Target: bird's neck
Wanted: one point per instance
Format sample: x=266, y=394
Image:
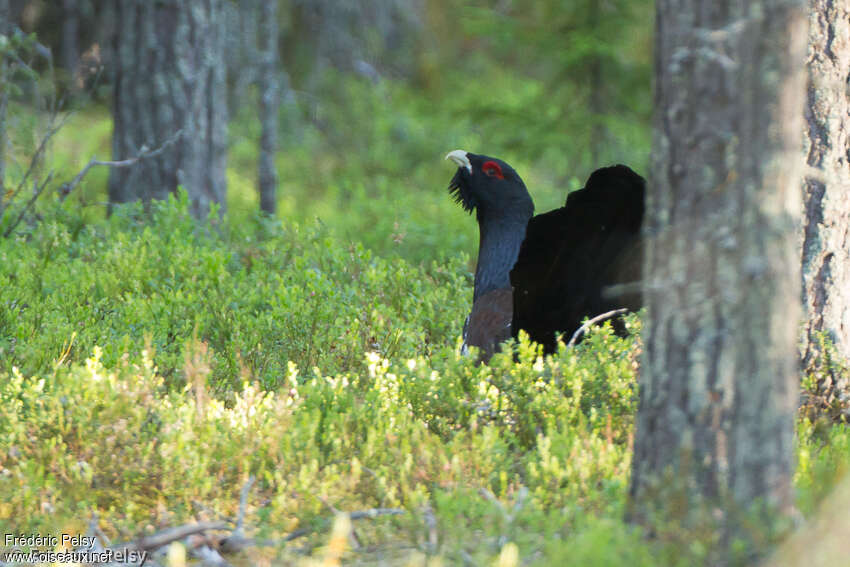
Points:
x=498, y=248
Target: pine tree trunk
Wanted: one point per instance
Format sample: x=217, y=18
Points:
x=169, y=78
x=826, y=195
x=719, y=376
x=269, y=97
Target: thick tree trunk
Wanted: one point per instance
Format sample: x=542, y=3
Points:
x=719, y=375
x=826, y=236
x=169, y=78
x=269, y=98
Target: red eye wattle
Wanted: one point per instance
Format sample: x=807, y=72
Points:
x=492, y=169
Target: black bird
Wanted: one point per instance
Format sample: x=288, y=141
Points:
x=548, y=273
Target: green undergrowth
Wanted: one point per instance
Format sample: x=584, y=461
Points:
x=259, y=296
x=151, y=366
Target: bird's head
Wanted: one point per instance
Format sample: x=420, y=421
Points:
x=489, y=186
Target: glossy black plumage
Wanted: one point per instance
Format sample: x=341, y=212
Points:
x=581, y=260
x=560, y=267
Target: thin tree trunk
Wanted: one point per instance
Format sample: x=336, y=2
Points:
x=242, y=50
x=5, y=29
x=269, y=97
x=169, y=78
x=70, y=40
x=715, y=424
x=826, y=195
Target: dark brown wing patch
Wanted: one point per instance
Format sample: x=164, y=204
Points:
x=490, y=322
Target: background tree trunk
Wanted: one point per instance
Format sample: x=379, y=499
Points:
x=169, y=77
x=5, y=29
x=269, y=100
x=241, y=51
x=70, y=41
x=719, y=375
x=826, y=235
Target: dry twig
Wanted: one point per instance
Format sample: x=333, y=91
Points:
x=431, y=524
x=375, y=512
x=145, y=153
x=170, y=535
x=591, y=322
x=36, y=193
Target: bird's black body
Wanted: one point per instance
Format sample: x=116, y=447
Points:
x=572, y=256
x=557, y=268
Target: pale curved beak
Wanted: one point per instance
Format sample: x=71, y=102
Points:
x=460, y=159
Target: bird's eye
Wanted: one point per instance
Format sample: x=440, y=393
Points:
x=492, y=169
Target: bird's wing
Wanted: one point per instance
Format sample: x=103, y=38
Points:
x=571, y=255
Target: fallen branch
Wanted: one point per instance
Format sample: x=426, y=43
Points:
x=237, y=541
x=431, y=524
x=243, y=502
x=210, y=551
x=210, y=556
x=375, y=512
x=170, y=535
x=235, y=544
x=591, y=322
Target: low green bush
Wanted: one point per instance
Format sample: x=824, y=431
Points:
x=153, y=364
x=259, y=296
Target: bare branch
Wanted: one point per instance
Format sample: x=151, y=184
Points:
x=233, y=544
x=491, y=498
x=210, y=556
x=36, y=157
x=145, y=153
x=591, y=322
x=37, y=191
x=431, y=524
x=300, y=532
x=236, y=543
x=375, y=512
x=170, y=535
x=243, y=501
x=94, y=530
x=237, y=540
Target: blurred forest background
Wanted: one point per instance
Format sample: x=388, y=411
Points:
x=367, y=97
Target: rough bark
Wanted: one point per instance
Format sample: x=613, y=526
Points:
x=826, y=196
x=718, y=386
x=168, y=78
x=269, y=96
